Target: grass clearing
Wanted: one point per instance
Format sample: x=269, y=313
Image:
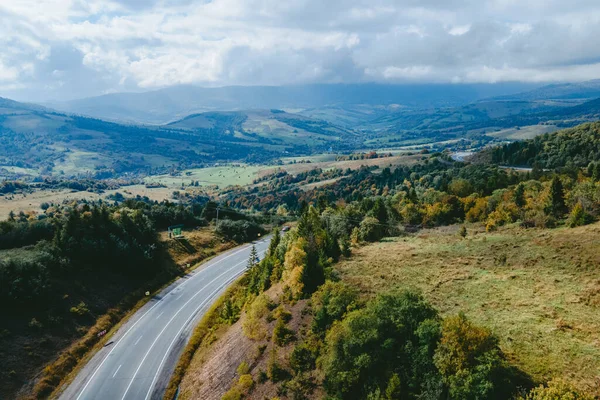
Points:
x=225, y=175
x=539, y=291
x=524, y=132
x=33, y=201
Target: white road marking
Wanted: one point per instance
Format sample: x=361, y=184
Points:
x=169, y=322
x=137, y=341
x=113, y=349
x=209, y=298
x=115, y=374
x=180, y=296
x=159, y=315
x=206, y=268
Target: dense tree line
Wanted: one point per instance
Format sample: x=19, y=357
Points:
x=81, y=244
x=394, y=346
x=577, y=147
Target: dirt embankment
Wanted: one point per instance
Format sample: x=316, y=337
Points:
x=215, y=368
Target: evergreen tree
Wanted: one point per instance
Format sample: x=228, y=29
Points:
x=596, y=174
x=274, y=242
x=253, y=258
x=519, y=196
x=556, y=206
x=379, y=211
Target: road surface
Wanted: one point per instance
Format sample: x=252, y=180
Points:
x=140, y=361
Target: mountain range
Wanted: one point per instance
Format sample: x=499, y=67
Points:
x=308, y=119
x=172, y=103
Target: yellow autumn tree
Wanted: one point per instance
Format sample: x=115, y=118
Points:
x=295, y=260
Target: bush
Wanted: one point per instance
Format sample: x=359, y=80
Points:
x=243, y=368
x=246, y=383
x=579, y=217
x=275, y=371
x=238, y=231
x=35, y=324
x=330, y=303
x=557, y=389
x=470, y=361
x=80, y=310
x=304, y=356
x=282, y=335
x=233, y=394
x=364, y=349
x=370, y=230
x=253, y=326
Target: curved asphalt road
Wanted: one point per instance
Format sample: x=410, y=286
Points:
x=140, y=361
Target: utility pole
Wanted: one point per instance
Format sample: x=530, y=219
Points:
x=216, y=223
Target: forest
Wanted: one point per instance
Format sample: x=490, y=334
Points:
x=85, y=258
x=576, y=147
x=80, y=266
x=392, y=346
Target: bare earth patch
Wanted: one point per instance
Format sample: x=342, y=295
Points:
x=213, y=370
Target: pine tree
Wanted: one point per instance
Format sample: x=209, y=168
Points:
x=557, y=206
x=596, y=174
x=519, y=195
x=253, y=258
x=274, y=242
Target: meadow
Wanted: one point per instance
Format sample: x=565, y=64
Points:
x=538, y=290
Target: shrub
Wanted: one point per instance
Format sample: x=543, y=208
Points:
x=253, y=325
x=370, y=230
x=304, y=356
x=330, y=303
x=283, y=314
x=80, y=310
x=35, y=324
x=275, y=371
x=282, y=335
x=578, y=217
x=232, y=394
x=246, y=383
x=243, y=368
x=470, y=361
x=557, y=389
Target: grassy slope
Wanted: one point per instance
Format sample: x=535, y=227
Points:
x=539, y=291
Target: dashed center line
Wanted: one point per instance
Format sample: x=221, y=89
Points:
x=137, y=341
x=115, y=374
x=159, y=315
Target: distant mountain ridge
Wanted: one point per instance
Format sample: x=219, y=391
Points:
x=173, y=103
x=560, y=91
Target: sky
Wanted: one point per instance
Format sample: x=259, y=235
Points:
x=65, y=49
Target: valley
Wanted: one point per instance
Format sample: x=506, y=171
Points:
x=475, y=221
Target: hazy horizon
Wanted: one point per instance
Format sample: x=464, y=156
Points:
x=66, y=49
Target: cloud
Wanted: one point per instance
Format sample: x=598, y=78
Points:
x=56, y=49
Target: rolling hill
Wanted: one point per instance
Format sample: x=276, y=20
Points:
x=173, y=103
x=565, y=91
x=42, y=141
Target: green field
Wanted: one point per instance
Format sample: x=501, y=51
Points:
x=225, y=175
x=538, y=290
x=523, y=133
